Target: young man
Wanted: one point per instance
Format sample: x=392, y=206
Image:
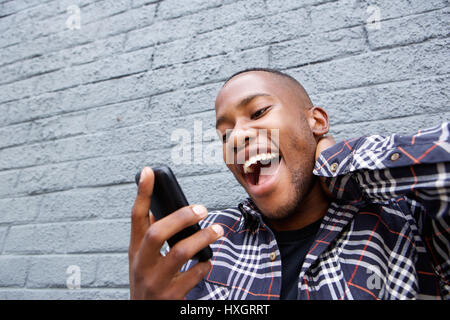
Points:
x=362, y=219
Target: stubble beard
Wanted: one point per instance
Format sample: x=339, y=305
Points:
x=303, y=184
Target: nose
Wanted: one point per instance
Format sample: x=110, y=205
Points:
x=241, y=137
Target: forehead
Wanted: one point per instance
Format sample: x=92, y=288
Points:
x=248, y=84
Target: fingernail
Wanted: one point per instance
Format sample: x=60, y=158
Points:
x=143, y=174
x=200, y=211
x=217, y=229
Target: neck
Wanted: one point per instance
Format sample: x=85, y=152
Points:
x=312, y=208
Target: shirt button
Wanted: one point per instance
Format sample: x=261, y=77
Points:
x=395, y=156
x=334, y=167
x=273, y=256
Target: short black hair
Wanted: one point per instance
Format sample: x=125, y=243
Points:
x=273, y=71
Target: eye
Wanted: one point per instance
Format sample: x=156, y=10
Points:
x=259, y=113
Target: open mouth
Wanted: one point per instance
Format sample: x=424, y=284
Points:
x=260, y=172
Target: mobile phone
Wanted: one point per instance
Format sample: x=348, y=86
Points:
x=168, y=197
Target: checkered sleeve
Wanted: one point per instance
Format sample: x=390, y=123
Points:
x=380, y=168
x=415, y=169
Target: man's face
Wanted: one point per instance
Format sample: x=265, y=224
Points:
x=262, y=115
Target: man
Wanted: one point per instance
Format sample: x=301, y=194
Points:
x=375, y=225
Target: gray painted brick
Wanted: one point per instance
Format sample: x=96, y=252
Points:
x=89, y=32
x=410, y=29
x=112, y=271
x=337, y=15
x=71, y=205
x=72, y=148
x=79, y=98
x=51, y=271
x=3, y=232
x=8, y=181
x=140, y=3
x=98, y=236
x=14, y=270
x=206, y=190
x=97, y=10
x=4, y=109
x=46, y=178
x=183, y=102
x=163, y=31
x=11, y=7
x=117, y=115
x=36, y=239
x=34, y=107
x=384, y=101
x=205, y=71
x=57, y=127
x=107, y=170
x=65, y=294
x=390, y=126
x=125, y=64
x=83, y=110
x=19, y=210
x=394, y=9
x=175, y=8
x=275, y=6
x=318, y=47
x=119, y=200
x=375, y=67
x=63, y=58
x=239, y=36
x=14, y=135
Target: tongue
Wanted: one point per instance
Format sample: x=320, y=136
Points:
x=269, y=168
x=266, y=171
x=263, y=178
x=262, y=172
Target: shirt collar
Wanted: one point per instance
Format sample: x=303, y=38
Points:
x=251, y=214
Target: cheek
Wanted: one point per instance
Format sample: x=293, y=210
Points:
x=227, y=155
x=229, y=160
x=298, y=148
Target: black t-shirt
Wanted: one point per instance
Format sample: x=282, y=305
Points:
x=293, y=246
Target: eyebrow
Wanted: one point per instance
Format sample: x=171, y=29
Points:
x=241, y=104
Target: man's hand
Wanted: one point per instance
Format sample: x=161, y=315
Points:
x=324, y=143
x=152, y=275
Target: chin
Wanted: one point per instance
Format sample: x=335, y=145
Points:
x=276, y=185
x=277, y=207
x=286, y=200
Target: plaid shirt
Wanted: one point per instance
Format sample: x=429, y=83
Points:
x=385, y=236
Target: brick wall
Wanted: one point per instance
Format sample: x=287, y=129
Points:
x=83, y=109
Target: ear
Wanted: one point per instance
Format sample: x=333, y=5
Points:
x=318, y=121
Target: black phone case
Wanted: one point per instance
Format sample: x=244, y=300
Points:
x=168, y=197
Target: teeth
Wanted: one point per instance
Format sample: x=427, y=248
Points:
x=264, y=158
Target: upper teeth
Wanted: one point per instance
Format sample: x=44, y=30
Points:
x=265, y=158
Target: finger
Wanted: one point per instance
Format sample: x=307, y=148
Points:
x=152, y=218
x=189, y=279
x=324, y=143
x=166, y=227
x=140, y=220
x=188, y=247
